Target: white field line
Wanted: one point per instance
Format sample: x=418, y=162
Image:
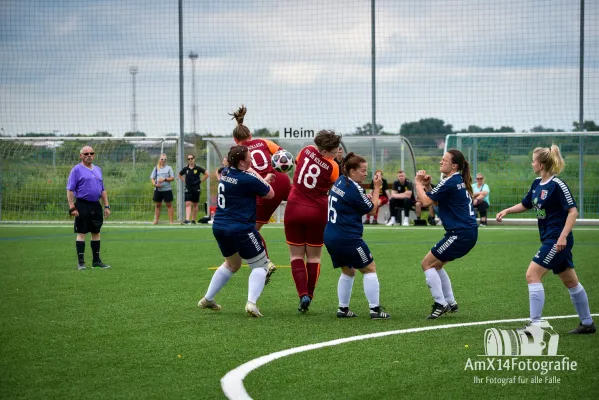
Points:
x=232, y=382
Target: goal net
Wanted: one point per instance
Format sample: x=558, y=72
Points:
x=504, y=160
x=34, y=173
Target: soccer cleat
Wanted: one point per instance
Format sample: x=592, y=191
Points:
x=252, y=310
x=438, y=310
x=304, y=304
x=584, y=329
x=453, y=307
x=375, y=222
x=345, y=312
x=391, y=221
x=211, y=304
x=100, y=264
x=193, y=222
x=431, y=221
x=367, y=222
x=406, y=221
x=186, y=222
x=379, y=313
x=81, y=267
x=269, y=271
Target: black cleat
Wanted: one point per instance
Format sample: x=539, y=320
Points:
x=193, y=222
x=438, y=310
x=584, y=329
x=367, y=222
x=304, y=304
x=379, y=313
x=453, y=307
x=100, y=264
x=431, y=221
x=81, y=267
x=375, y=222
x=345, y=312
x=186, y=222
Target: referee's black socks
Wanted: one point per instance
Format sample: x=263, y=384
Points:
x=95, y=250
x=80, y=246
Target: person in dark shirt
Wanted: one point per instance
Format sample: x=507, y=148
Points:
x=556, y=215
x=85, y=188
x=193, y=175
x=402, y=198
x=339, y=156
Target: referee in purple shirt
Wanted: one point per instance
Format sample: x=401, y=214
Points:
x=85, y=187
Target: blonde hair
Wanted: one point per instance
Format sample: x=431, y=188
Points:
x=551, y=158
x=158, y=164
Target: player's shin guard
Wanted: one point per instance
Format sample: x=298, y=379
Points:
x=536, y=297
x=219, y=280
x=313, y=275
x=446, y=286
x=434, y=283
x=300, y=276
x=581, y=303
x=256, y=281
x=371, y=289
x=344, y=287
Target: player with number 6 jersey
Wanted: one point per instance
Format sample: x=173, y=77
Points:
x=306, y=212
x=261, y=151
x=454, y=197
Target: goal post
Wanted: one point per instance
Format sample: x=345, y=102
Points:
x=34, y=172
x=504, y=159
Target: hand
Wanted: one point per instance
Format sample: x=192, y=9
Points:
x=500, y=215
x=378, y=182
x=270, y=177
x=421, y=177
x=74, y=213
x=106, y=212
x=561, y=244
x=475, y=202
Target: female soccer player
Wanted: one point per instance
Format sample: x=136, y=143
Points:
x=454, y=197
x=261, y=151
x=235, y=229
x=306, y=212
x=343, y=235
x=556, y=215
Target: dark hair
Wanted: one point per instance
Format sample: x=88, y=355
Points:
x=236, y=154
x=463, y=168
x=327, y=140
x=241, y=132
x=351, y=161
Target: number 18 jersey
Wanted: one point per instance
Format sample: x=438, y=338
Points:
x=314, y=175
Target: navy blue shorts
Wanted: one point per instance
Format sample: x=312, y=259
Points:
x=455, y=244
x=247, y=244
x=548, y=257
x=356, y=255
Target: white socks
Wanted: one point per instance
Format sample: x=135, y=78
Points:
x=434, y=283
x=256, y=284
x=371, y=289
x=581, y=303
x=446, y=286
x=219, y=280
x=536, y=298
x=344, y=287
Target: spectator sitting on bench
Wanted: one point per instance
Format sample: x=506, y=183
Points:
x=480, y=200
x=383, y=197
x=402, y=198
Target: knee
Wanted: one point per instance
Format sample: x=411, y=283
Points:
x=532, y=278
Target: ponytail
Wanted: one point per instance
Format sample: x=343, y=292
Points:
x=351, y=161
x=463, y=168
x=551, y=158
x=241, y=132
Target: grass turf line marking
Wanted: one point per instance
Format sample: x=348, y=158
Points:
x=232, y=382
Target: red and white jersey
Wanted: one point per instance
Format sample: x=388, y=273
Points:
x=314, y=175
x=261, y=151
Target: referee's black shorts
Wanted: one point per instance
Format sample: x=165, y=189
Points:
x=192, y=194
x=91, y=216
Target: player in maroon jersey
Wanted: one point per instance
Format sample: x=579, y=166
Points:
x=261, y=151
x=307, y=209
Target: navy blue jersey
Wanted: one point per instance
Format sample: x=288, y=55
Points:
x=455, y=203
x=551, y=201
x=347, y=203
x=236, y=199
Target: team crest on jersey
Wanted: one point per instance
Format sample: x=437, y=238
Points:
x=544, y=194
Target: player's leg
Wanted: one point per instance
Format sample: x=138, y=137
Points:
x=157, y=209
x=430, y=265
x=97, y=219
x=580, y=301
x=194, y=211
x=313, y=257
x=220, y=278
x=169, y=207
x=344, y=289
x=372, y=291
x=536, y=292
x=187, y=212
x=258, y=263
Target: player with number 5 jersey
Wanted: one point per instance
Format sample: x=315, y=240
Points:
x=261, y=151
x=454, y=198
x=306, y=212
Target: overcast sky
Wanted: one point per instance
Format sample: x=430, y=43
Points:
x=64, y=64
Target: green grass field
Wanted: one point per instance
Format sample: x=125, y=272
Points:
x=134, y=331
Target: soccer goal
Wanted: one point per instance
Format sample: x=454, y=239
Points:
x=34, y=172
x=505, y=161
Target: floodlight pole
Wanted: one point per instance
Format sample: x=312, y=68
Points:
x=373, y=84
x=180, y=188
x=194, y=105
x=133, y=70
x=581, y=118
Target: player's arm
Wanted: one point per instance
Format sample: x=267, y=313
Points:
x=272, y=146
x=422, y=181
x=205, y=176
x=515, y=209
x=570, y=221
x=377, y=183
